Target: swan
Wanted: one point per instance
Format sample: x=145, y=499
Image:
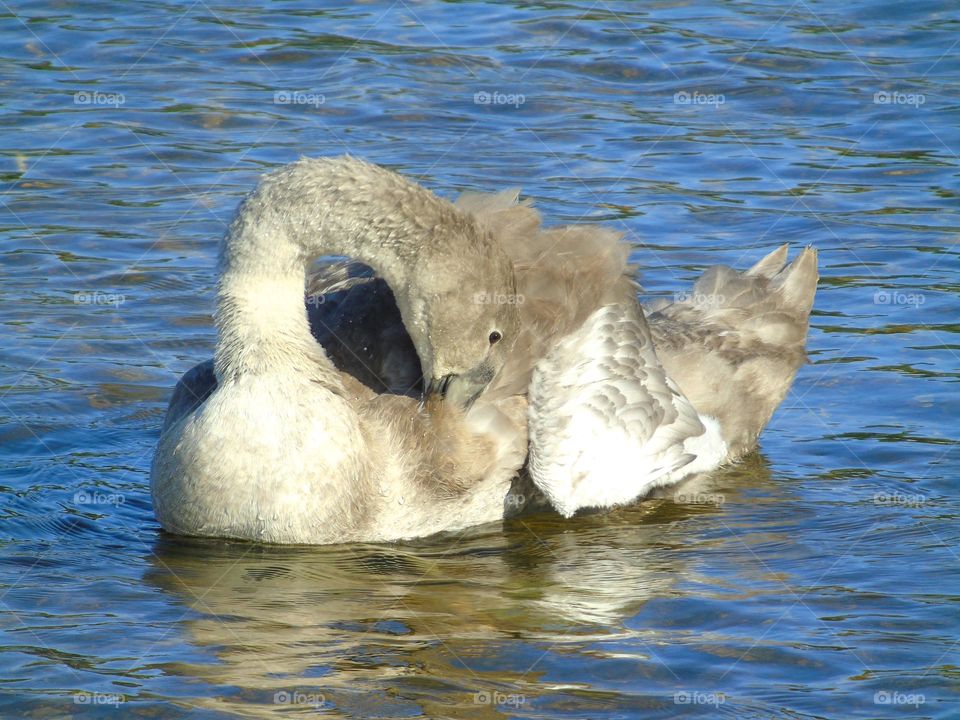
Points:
x=599, y=400
x=273, y=443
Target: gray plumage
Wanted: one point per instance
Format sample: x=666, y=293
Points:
x=617, y=402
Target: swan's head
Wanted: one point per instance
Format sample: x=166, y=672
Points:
x=471, y=321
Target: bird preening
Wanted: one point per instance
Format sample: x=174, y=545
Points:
x=461, y=346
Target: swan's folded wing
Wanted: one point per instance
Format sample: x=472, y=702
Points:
x=606, y=424
x=354, y=316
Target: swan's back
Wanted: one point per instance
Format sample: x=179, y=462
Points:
x=732, y=344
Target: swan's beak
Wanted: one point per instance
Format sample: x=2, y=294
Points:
x=461, y=389
x=437, y=387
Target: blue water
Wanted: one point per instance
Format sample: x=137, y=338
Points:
x=824, y=585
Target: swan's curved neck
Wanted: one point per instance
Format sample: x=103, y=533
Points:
x=308, y=209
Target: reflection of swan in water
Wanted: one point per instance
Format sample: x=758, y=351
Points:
x=420, y=628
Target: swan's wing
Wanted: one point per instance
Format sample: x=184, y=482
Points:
x=354, y=316
x=191, y=391
x=606, y=423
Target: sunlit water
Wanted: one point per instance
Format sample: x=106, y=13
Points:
x=817, y=579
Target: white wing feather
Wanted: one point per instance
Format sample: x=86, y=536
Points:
x=606, y=423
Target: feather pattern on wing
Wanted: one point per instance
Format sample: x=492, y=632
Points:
x=605, y=423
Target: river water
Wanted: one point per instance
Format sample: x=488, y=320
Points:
x=817, y=579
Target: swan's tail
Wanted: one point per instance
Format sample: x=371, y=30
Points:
x=770, y=302
x=734, y=343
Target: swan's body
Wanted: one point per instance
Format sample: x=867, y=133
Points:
x=617, y=403
x=284, y=447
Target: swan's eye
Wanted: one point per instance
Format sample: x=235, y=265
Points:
x=495, y=337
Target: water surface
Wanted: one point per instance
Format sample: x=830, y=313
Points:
x=817, y=580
